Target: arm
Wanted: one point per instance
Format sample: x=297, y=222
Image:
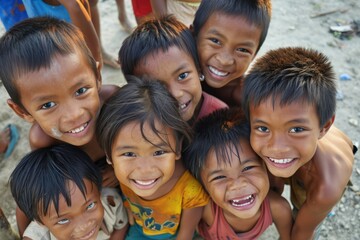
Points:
x=281, y=214
x=119, y=234
x=79, y=12
x=159, y=7
x=189, y=220
x=22, y=221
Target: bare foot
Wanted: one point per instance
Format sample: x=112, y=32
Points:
x=4, y=140
x=110, y=61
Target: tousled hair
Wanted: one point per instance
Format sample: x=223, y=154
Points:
x=144, y=101
x=153, y=36
x=32, y=44
x=220, y=132
x=44, y=174
x=257, y=12
x=292, y=74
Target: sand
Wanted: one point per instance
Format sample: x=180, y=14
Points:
x=293, y=24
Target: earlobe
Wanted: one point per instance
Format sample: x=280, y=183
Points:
x=327, y=126
x=108, y=160
x=20, y=111
x=98, y=75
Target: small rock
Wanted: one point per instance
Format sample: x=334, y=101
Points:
x=353, y=122
x=354, y=188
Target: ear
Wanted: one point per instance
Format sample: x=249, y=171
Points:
x=178, y=153
x=327, y=126
x=99, y=79
x=20, y=111
x=108, y=160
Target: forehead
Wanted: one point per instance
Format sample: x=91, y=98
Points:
x=160, y=63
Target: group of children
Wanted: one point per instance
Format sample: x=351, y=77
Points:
x=186, y=163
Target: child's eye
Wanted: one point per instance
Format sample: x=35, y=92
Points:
x=243, y=50
x=296, y=130
x=248, y=168
x=63, y=221
x=262, y=129
x=214, y=40
x=158, y=153
x=91, y=206
x=217, y=178
x=129, y=154
x=182, y=76
x=48, y=105
x=81, y=91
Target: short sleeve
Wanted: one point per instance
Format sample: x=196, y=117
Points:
x=194, y=194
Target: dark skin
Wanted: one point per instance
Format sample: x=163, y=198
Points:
x=230, y=93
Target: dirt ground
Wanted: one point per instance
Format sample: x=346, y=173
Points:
x=294, y=23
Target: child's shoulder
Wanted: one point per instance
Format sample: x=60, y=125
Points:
x=107, y=90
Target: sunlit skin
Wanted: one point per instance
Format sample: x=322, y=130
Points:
x=147, y=168
x=226, y=46
x=285, y=137
x=81, y=220
x=63, y=99
x=238, y=187
x=178, y=71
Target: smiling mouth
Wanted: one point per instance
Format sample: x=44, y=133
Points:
x=218, y=72
x=79, y=129
x=182, y=106
x=145, y=183
x=242, y=202
x=88, y=235
x=281, y=160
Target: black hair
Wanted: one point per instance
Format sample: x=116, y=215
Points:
x=145, y=101
x=292, y=74
x=221, y=132
x=153, y=36
x=257, y=12
x=32, y=44
x=44, y=174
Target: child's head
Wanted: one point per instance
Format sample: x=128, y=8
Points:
x=141, y=131
x=165, y=49
x=221, y=158
x=289, y=97
x=51, y=77
x=228, y=35
x=58, y=186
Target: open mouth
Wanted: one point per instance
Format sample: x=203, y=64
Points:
x=243, y=202
x=89, y=235
x=79, y=129
x=218, y=72
x=182, y=106
x=145, y=184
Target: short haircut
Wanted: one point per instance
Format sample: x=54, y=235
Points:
x=44, y=174
x=257, y=12
x=154, y=36
x=144, y=101
x=221, y=132
x=292, y=74
x=32, y=44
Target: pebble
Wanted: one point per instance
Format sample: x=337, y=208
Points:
x=353, y=122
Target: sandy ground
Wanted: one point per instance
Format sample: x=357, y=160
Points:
x=293, y=24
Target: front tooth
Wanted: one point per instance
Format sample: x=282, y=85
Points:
x=285, y=160
x=182, y=106
x=217, y=72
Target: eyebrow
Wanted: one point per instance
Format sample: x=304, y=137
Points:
x=296, y=120
x=182, y=66
x=252, y=159
x=247, y=43
x=128, y=147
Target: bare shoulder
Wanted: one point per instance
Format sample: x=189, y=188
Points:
x=207, y=214
x=39, y=139
x=278, y=204
x=107, y=90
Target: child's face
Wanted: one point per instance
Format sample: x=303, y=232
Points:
x=177, y=70
x=145, y=167
x=226, y=46
x=238, y=188
x=63, y=99
x=285, y=137
x=81, y=220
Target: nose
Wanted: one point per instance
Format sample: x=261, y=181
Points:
x=145, y=165
x=238, y=183
x=225, y=58
x=176, y=90
x=278, y=143
x=72, y=112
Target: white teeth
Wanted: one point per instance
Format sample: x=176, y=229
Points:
x=79, y=129
x=281, y=161
x=217, y=72
x=182, y=106
x=145, y=183
x=243, y=201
